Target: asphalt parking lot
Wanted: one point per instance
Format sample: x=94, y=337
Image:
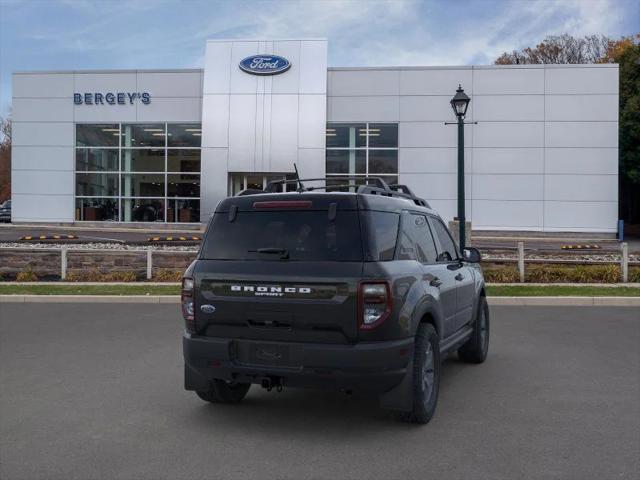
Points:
x=95, y=391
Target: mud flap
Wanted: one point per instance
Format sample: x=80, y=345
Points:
x=193, y=380
x=400, y=398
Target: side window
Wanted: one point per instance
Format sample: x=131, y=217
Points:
x=416, y=242
x=448, y=251
x=383, y=232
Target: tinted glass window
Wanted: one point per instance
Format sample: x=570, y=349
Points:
x=143, y=135
x=97, y=159
x=383, y=234
x=416, y=242
x=184, y=135
x=307, y=235
x=383, y=135
x=102, y=135
x=346, y=161
x=346, y=135
x=448, y=250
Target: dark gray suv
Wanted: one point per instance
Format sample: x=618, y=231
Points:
x=362, y=289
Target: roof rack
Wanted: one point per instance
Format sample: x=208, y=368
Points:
x=372, y=186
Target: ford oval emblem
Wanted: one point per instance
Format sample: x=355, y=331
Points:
x=265, y=64
x=207, y=308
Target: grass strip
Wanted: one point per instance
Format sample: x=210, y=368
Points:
x=140, y=289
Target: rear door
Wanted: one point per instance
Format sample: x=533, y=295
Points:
x=280, y=273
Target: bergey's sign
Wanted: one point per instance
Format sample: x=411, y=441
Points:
x=265, y=64
x=109, y=98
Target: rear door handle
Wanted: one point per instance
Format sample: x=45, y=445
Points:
x=435, y=282
x=459, y=277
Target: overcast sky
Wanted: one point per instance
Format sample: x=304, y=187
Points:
x=88, y=34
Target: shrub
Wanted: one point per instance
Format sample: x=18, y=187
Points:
x=27, y=275
x=572, y=273
x=500, y=273
x=168, y=275
x=634, y=274
x=96, y=275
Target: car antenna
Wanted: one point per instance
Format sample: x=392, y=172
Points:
x=300, y=185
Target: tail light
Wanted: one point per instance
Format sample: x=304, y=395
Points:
x=187, y=301
x=375, y=303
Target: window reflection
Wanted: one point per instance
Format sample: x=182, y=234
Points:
x=96, y=209
x=142, y=185
x=96, y=159
x=101, y=135
x=143, y=160
x=143, y=135
x=97, y=184
x=184, y=135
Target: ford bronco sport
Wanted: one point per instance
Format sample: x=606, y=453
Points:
x=362, y=289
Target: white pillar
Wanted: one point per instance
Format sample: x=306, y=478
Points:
x=521, y=261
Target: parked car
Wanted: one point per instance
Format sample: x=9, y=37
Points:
x=350, y=290
x=5, y=211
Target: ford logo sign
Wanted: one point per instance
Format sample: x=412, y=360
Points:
x=265, y=64
x=208, y=308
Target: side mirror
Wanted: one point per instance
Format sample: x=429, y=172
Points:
x=471, y=255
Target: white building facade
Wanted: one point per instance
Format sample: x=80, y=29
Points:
x=167, y=145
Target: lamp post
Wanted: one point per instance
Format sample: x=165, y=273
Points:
x=460, y=103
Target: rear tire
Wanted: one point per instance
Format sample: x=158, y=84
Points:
x=224, y=392
x=476, y=348
x=426, y=375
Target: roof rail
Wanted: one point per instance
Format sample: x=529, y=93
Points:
x=372, y=186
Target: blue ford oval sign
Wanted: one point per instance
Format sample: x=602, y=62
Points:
x=265, y=64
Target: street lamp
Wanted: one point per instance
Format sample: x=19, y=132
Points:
x=460, y=103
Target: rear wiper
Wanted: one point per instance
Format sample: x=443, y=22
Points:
x=283, y=252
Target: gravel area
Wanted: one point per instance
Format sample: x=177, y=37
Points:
x=602, y=257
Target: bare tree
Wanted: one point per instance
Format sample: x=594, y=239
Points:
x=5, y=158
x=560, y=49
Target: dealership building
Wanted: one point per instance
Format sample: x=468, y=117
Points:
x=541, y=145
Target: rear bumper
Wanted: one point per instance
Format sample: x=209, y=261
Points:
x=370, y=366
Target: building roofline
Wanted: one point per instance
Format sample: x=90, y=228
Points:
x=479, y=67
x=105, y=71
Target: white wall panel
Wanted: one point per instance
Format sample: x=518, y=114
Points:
x=42, y=208
x=214, y=167
x=581, y=134
x=492, y=214
x=42, y=110
x=507, y=134
x=288, y=82
x=581, y=216
x=363, y=82
x=171, y=110
x=432, y=160
x=447, y=209
x=312, y=121
x=311, y=162
x=359, y=109
x=508, y=80
x=436, y=186
x=431, y=134
x=429, y=109
x=106, y=82
x=508, y=160
x=215, y=121
x=511, y=108
x=170, y=84
x=42, y=134
x=313, y=67
x=581, y=161
x=43, y=158
x=590, y=80
x=581, y=108
x=242, y=132
x=432, y=81
x=42, y=182
x=105, y=113
x=284, y=133
x=240, y=81
x=43, y=85
x=597, y=188
x=507, y=187
x=217, y=67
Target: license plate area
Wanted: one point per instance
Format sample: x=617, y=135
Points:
x=261, y=353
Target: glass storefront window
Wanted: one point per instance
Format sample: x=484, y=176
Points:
x=183, y=161
x=143, y=135
x=96, y=185
x=184, y=135
x=143, y=160
x=342, y=135
x=151, y=171
x=96, y=209
x=346, y=161
x=142, y=185
x=183, y=185
x=183, y=211
x=96, y=160
x=101, y=135
x=376, y=153
x=142, y=210
x=383, y=135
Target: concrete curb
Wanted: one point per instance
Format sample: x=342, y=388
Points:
x=175, y=299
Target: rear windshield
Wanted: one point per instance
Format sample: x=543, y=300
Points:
x=284, y=235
